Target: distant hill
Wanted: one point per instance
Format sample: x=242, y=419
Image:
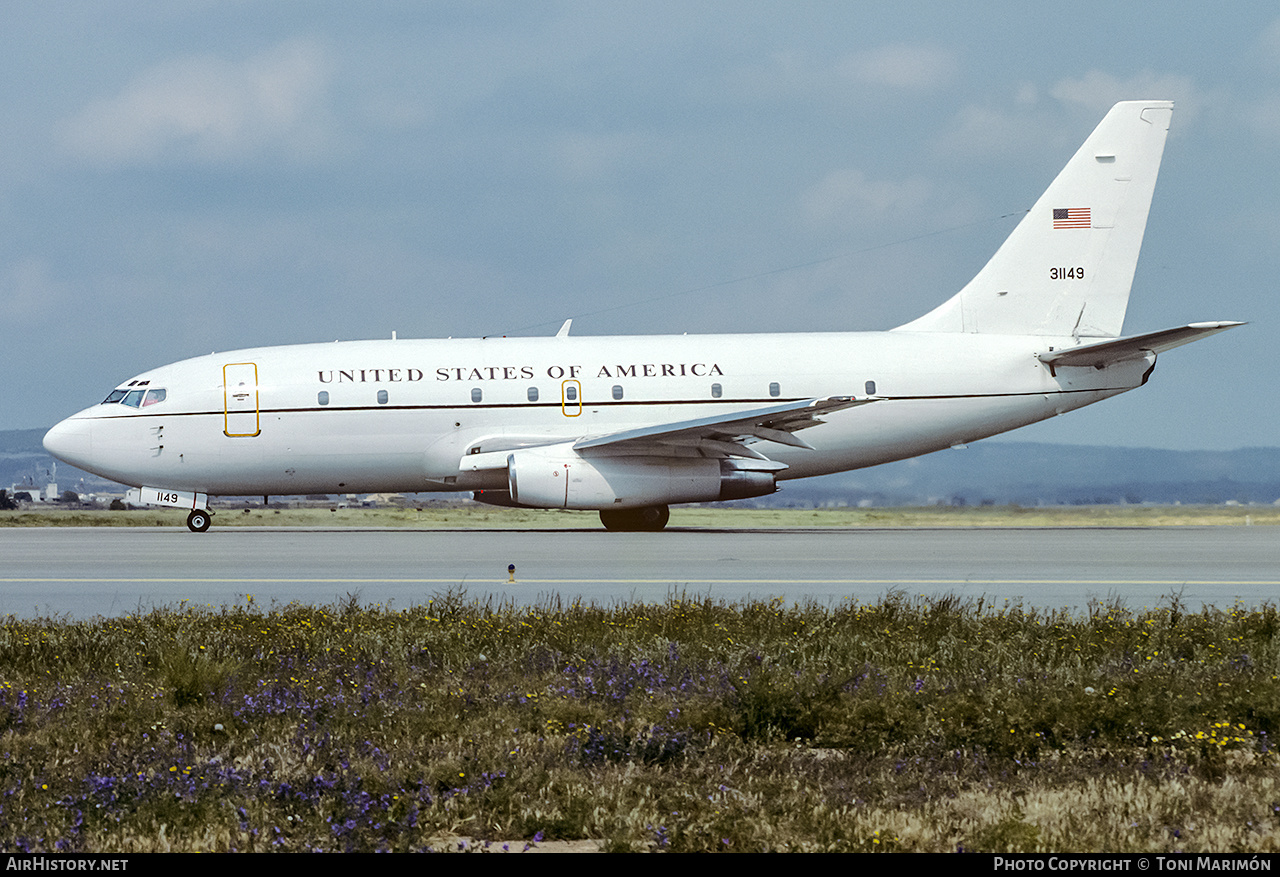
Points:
x=1029, y=473
x=997, y=472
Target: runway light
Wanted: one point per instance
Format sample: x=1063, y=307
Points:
x=511, y=573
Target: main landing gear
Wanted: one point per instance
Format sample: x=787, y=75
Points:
x=199, y=520
x=649, y=519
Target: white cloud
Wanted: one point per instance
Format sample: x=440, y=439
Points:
x=1097, y=91
x=893, y=68
x=582, y=156
x=30, y=297
x=1032, y=126
x=1263, y=117
x=1269, y=45
x=846, y=198
x=209, y=110
x=900, y=66
x=986, y=131
x=1027, y=95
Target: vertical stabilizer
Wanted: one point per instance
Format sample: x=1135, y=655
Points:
x=1067, y=268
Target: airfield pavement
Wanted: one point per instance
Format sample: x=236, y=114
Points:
x=79, y=572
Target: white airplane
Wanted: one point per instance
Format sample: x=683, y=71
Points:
x=630, y=425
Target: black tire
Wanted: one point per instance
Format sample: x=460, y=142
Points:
x=199, y=520
x=653, y=519
x=615, y=519
x=649, y=519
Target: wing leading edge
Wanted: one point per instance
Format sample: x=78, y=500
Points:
x=776, y=423
x=718, y=436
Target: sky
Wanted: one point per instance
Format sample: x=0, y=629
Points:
x=180, y=177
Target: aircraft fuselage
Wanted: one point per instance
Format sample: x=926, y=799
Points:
x=401, y=415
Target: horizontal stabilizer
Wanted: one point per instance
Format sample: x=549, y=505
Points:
x=1100, y=354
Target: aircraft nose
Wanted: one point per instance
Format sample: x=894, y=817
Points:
x=70, y=441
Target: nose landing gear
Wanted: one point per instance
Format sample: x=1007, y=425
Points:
x=199, y=520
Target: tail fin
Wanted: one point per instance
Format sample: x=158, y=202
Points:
x=1067, y=268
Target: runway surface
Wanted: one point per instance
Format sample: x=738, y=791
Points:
x=84, y=572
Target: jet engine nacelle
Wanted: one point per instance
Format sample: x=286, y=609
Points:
x=559, y=477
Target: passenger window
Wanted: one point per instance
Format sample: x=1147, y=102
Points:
x=383, y=397
x=617, y=391
x=716, y=391
x=476, y=394
x=323, y=397
x=775, y=389
x=533, y=394
x=133, y=398
x=571, y=393
x=871, y=388
x=153, y=396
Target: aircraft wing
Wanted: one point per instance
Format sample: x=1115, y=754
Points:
x=1100, y=354
x=723, y=434
x=726, y=432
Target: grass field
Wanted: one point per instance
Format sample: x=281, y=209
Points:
x=487, y=517
x=906, y=725
x=693, y=725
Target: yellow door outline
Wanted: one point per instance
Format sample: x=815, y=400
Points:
x=571, y=398
x=240, y=412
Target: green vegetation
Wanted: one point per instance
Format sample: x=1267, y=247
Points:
x=908, y=724
x=488, y=517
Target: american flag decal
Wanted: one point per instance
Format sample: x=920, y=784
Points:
x=1071, y=217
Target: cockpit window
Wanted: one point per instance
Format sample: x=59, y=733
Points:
x=138, y=398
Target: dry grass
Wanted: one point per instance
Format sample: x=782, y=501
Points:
x=693, y=725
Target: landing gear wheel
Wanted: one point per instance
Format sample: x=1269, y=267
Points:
x=199, y=520
x=653, y=519
x=650, y=519
x=615, y=519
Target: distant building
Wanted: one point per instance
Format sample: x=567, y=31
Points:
x=31, y=493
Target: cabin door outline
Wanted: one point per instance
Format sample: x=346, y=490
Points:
x=241, y=415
